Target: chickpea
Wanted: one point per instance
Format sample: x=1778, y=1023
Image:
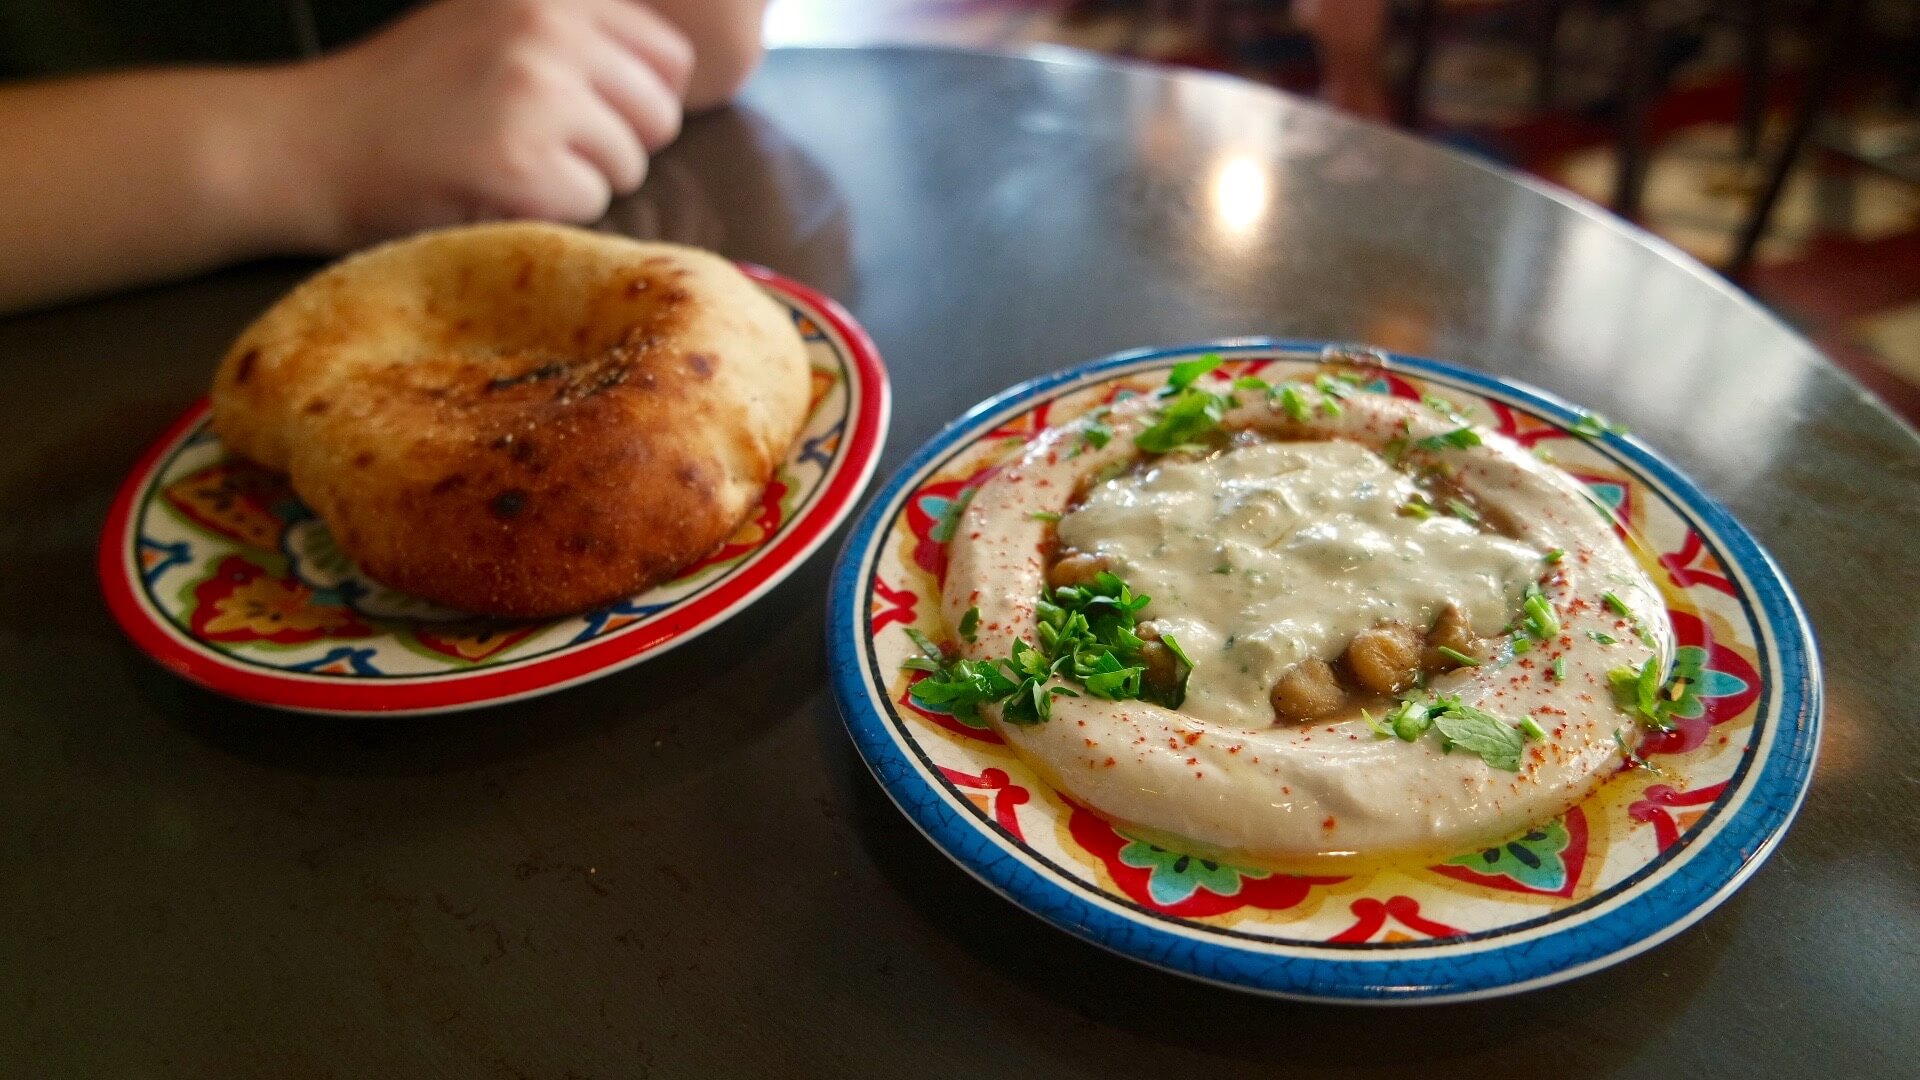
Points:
x=1308, y=690
x=1162, y=666
x=1075, y=568
x=1386, y=658
x=1453, y=631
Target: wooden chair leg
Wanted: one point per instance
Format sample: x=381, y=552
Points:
x=1635, y=94
x=1841, y=17
x=1409, y=105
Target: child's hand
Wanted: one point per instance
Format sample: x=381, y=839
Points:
x=474, y=109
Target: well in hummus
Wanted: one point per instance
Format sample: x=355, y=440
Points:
x=1298, y=622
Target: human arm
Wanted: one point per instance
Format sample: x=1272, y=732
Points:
x=463, y=110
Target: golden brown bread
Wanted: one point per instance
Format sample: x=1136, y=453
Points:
x=517, y=419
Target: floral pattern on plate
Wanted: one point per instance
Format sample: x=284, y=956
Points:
x=1647, y=854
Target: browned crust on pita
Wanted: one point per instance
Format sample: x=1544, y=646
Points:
x=521, y=420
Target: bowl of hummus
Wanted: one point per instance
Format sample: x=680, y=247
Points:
x=1324, y=672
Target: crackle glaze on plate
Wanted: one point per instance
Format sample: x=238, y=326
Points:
x=1641, y=860
x=213, y=567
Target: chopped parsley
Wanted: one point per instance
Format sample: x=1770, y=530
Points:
x=1188, y=417
x=1592, y=425
x=1554, y=556
x=1097, y=434
x=1186, y=374
x=1087, y=635
x=1640, y=692
x=1294, y=404
x=1409, y=720
x=942, y=530
x=1460, y=438
x=1539, y=619
x=970, y=624
x=1498, y=743
x=1634, y=760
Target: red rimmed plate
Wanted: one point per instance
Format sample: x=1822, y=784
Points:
x=216, y=570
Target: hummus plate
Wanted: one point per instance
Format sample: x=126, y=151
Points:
x=1648, y=853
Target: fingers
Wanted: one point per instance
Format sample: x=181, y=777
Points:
x=575, y=190
x=652, y=40
x=605, y=139
x=635, y=91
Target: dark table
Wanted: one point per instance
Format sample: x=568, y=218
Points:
x=683, y=870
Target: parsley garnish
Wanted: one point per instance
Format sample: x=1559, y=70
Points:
x=1096, y=434
x=1186, y=374
x=1187, y=418
x=1640, y=691
x=1634, y=760
x=1592, y=425
x=1554, y=556
x=1460, y=438
x=1293, y=403
x=970, y=624
x=942, y=530
x=1497, y=742
x=1540, y=621
x=1409, y=720
x=1087, y=635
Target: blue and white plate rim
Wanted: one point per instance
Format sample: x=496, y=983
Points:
x=1659, y=901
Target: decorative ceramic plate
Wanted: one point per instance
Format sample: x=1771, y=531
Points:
x=1646, y=856
x=217, y=570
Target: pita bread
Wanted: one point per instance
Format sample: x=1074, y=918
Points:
x=520, y=420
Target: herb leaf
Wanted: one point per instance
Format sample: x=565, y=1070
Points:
x=1186, y=418
x=1187, y=373
x=970, y=623
x=1592, y=425
x=1498, y=743
x=1294, y=404
x=1460, y=438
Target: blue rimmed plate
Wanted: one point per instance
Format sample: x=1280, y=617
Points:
x=1645, y=857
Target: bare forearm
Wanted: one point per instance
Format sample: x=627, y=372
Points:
x=113, y=180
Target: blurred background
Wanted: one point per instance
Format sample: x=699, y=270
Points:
x=1778, y=141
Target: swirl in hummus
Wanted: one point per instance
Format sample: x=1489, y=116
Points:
x=1308, y=563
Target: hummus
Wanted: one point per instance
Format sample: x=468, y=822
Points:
x=1277, y=550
